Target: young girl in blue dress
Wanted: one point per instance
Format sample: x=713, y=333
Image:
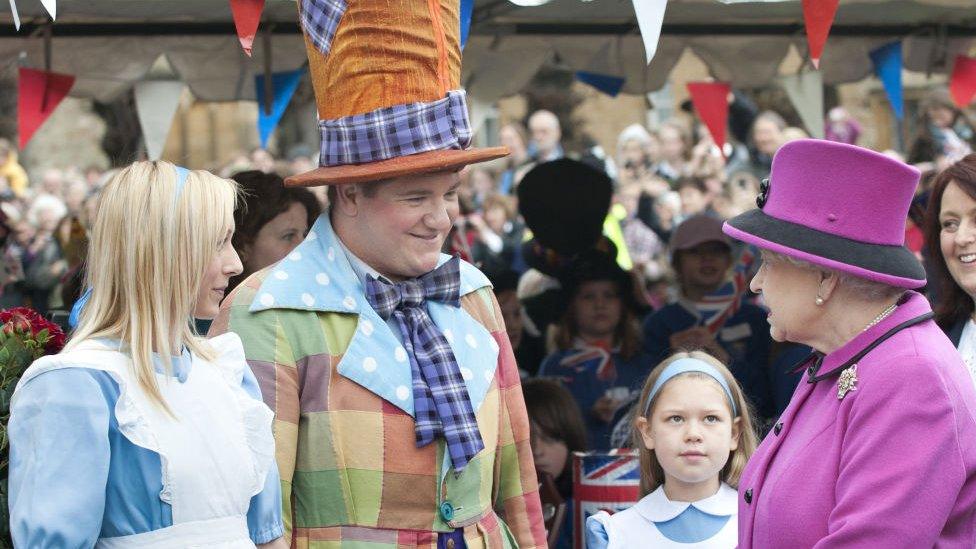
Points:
x=694, y=431
x=142, y=433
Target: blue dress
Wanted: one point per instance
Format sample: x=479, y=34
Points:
x=75, y=478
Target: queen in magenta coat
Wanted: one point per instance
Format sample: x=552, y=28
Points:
x=877, y=447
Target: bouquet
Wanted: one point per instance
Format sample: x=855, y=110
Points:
x=25, y=336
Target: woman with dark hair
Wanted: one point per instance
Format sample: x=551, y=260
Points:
x=271, y=220
x=950, y=236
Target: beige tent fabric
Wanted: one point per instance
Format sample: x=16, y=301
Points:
x=497, y=61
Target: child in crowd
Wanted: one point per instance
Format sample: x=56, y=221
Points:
x=710, y=313
x=696, y=198
x=695, y=436
x=599, y=357
x=557, y=431
x=529, y=349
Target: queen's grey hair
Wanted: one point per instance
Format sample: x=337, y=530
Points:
x=869, y=290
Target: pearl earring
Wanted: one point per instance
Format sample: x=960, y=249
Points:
x=819, y=300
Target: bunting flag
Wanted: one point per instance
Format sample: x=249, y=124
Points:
x=887, y=66
x=13, y=10
x=467, y=8
x=283, y=85
x=650, y=16
x=39, y=93
x=805, y=91
x=156, y=104
x=962, y=84
x=247, y=15
x=597, y=73
x=818, y=16
x=711, y=101
x=52, y=7
x=608, y=84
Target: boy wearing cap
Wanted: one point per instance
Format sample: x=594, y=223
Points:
x=399, y=415
x=710, y=313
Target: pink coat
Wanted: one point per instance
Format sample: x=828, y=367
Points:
x=892, y=464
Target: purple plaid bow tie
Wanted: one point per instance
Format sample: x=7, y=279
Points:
x=440, y=399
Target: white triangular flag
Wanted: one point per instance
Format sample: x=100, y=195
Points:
x=650, y=15
x=805, y=91
x=52, y=7
x=13, y=9
x=156, y=104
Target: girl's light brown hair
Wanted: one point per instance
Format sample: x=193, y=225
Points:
x=652, y=474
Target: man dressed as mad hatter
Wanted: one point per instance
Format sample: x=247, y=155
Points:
x=399, y=413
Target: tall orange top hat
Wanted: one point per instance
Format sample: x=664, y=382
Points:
x=387, y=77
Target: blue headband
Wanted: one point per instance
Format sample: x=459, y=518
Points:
x=683, y=366
x=77, y=307
x=181, y=175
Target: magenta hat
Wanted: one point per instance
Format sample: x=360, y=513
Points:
x=837, y=206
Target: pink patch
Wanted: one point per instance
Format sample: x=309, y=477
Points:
x=507, y=372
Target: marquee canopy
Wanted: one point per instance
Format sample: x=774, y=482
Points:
x=111, y=44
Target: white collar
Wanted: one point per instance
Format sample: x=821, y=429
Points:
x=360, y=267
x=656, y=507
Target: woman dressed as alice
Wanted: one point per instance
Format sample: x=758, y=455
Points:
x=141, y=433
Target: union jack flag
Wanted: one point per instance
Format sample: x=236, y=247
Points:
x=603, y=481
x=719, y=306
x=605, y=370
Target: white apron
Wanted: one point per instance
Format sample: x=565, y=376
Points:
x=215, y=454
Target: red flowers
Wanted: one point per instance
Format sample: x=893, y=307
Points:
x=29, y=325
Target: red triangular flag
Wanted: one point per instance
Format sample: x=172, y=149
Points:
x=818, y=16
x=963, y=81
x=39, y=93
x=247, y=15
x=711, y=101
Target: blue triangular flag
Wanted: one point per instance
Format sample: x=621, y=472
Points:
x=887, y=66
x=467, y=7
x=284, y=85
x=608, y=84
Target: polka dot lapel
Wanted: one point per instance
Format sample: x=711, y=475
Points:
x=317, y=276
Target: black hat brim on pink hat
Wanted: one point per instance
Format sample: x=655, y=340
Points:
x=837, y=206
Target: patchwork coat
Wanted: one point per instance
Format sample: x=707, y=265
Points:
x=339, y=381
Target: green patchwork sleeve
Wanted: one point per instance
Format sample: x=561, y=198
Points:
x=269, y=355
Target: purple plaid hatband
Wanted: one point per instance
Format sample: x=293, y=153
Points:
x=441, y=402
x=400, y=130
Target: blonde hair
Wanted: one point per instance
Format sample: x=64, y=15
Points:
x=150, y=246
x=652, y=474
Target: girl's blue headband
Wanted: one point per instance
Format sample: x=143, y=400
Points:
x=683, y=366
x=181, y=175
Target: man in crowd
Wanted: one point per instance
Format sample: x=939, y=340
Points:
x=546, y=135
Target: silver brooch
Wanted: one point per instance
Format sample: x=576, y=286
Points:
x=847, y=382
